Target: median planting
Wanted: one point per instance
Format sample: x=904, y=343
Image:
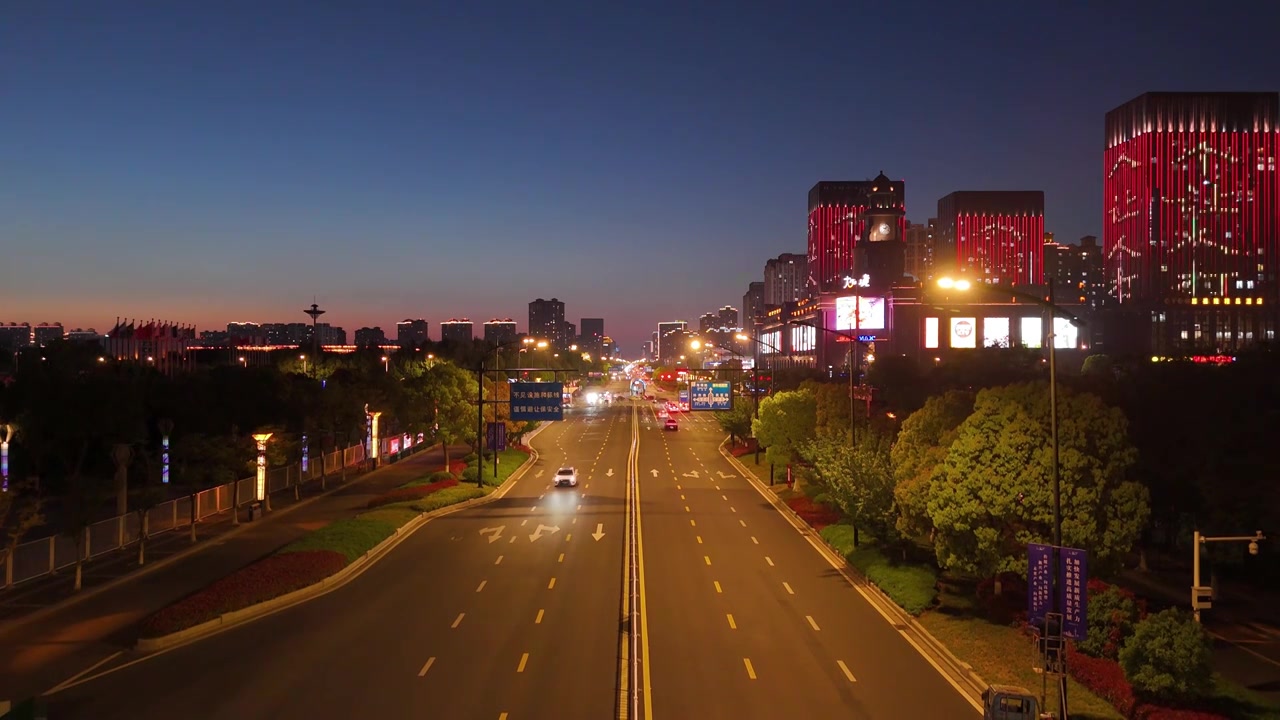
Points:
x=317, y=555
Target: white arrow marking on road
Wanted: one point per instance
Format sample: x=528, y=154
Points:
x=497, y=532
x=599, y=533
x=655, y=473
x=723, y=474
x=550, y=530
x=610, y=473
x=692, y=474
x=539, y=473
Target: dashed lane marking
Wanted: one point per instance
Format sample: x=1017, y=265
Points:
x=430, y=661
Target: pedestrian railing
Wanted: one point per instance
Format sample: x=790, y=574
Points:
x=47, y=556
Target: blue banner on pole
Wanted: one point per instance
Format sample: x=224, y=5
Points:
x=497, y=436
x=708, y=395
x=1073, y=595
x=1039, y=581
x=537, y=401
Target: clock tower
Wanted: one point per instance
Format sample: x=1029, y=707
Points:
x=880, y=252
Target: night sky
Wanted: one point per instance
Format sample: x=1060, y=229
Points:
x=206, y=162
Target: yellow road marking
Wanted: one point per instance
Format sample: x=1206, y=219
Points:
x=812, y=623
x=732, y=625
x=845, y=668
x=751, y=672
x=524, y=659
x=430, y=661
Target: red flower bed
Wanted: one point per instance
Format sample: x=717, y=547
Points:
x=457, y=466
x=1148, y=712
x=410, y=493
x=268, y=578
x=1104, y=678
x=740, y=450
x=522, y=448
x=816, y=515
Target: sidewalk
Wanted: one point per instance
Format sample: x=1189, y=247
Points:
x=49, y=635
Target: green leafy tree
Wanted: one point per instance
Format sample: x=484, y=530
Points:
x=786, y=422
x=737, y=420
x=859, y=479
x=831, y=408
x=1169, y=657
x=922, y=445
x=452, y=392
x=993, y=493
x=1112, y=615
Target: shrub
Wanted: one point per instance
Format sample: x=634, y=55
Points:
x=1103, y=678
x=469, y=475
x=264, y=580
x=1148, y=712
x=839, y=537
x=351, y=537
x=395, y=517
x=1169, y=657
x=469, y=459
x=444, y=498
x=411, y=492
x=457, y=466
x=817, y=516
x=912, y=587
x=1112, y=614
x=436, y=476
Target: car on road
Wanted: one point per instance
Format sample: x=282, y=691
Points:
x=662, y=415
x=671, y=424
x=567, y=476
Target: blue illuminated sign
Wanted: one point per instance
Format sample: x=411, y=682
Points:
x=707, y=395
x=537, y=401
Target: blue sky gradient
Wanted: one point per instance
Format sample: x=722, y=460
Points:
x=209, y=162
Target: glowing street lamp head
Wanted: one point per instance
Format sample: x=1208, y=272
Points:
x=742, y=337
x=947, y=283
x=384, y=358
x=542, y=344
x=573, y=348
x=695, y=344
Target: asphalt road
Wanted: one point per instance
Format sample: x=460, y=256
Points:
x=744, y=618
x=509, y=610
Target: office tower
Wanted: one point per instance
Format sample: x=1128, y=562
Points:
x=752, y=304
x=838, y=223
x=14, y=336
x=592, y=339
x=708, y=322
x=669, y=337
x=991, y=236
x=729, y=317
x=370, y=337
x=785, y=279
x=918, y=260
x=1075, y=271
x=546, y=321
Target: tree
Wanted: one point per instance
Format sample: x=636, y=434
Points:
x=20, y=511
x=786, y=422
x=831, y=408
x=737, y=420
x=859, y=479
x=922, y=444
x=1169, y=657
x=993, y=493
x=452, y=391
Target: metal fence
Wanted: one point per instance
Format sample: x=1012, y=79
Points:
x=47, y=556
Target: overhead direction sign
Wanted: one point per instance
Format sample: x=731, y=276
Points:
x=537, y=401
x=710, y=395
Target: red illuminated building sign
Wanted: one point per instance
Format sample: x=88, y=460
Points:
x=837, y=222
x=1190, y=195
x=992, y=236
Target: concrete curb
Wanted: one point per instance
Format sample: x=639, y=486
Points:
x=962, y=675
x=338, y=579
x=11, y=625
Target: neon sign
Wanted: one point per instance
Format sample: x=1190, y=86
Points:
x=852, y=282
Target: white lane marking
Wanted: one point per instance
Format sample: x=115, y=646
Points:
x=788, y=588
x=481, y=585
x=458, y=620
x=430, y=661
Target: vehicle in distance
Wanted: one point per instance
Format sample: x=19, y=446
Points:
x=567, y=476
x=671, y=424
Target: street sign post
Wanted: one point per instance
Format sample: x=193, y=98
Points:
x=710, y=395
x=537, y=401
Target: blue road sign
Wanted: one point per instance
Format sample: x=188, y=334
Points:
x=707, y=395
x=1039, y=581
x=1073, y=596
x=537, y=401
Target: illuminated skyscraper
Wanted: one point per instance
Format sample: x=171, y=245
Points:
x=991, y=236
x=838, y=223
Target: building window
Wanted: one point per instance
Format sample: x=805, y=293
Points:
x=995, y=332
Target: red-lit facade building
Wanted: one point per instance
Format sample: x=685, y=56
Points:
x=838, y=224
x=1191, y=225
x=991, y=236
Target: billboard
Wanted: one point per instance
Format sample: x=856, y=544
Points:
x=709, y=395
x=1032, y=332
x=964, y=332
x=537, y=401
x=860, y=313
x=995, y=332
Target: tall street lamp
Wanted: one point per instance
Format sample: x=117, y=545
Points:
x=480, y=434
x=375, y=451
x=261, y=488
x=6, y=435
x=386, y=364
x=755, y=363
x=303, y=358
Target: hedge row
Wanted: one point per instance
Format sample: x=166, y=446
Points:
x=410, y=492
x=1105, y=678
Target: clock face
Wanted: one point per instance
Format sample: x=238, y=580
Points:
x=884, y=228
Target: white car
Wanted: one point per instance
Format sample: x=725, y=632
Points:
x=567, y=476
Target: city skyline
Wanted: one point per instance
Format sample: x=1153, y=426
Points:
x=153, y=174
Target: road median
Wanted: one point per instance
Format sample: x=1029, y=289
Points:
x=317, y=563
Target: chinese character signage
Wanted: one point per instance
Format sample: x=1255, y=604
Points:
x=497, y=436
x=706, y=395
x=537, y=401
x=1039, y=581
x=1072, y=593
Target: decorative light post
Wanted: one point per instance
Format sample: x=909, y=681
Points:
x=303, y=358
x=6, y=434
x=166, y=429
x=261, y=490
x=374, y=451
x=386, y=364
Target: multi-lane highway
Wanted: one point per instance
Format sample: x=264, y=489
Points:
x=513, y=610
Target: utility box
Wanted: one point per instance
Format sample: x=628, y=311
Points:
x=255, y=511
x=1201, y=597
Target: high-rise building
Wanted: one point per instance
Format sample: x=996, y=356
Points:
x=1190, y=197
x=546, y=320
x=45, y=333
x=918, y=260
x=245, y=333
x=412, y=334
x=669, y=340
x=500, y=332
x=14, y=336
x=785, y=279
x=1075, y=271
x=837, y=224
x=729, y=317
x=708, y=322
x=592, y=339
x=370, y=337
x=752, y=304
x=991, y=236
x=457, y=331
